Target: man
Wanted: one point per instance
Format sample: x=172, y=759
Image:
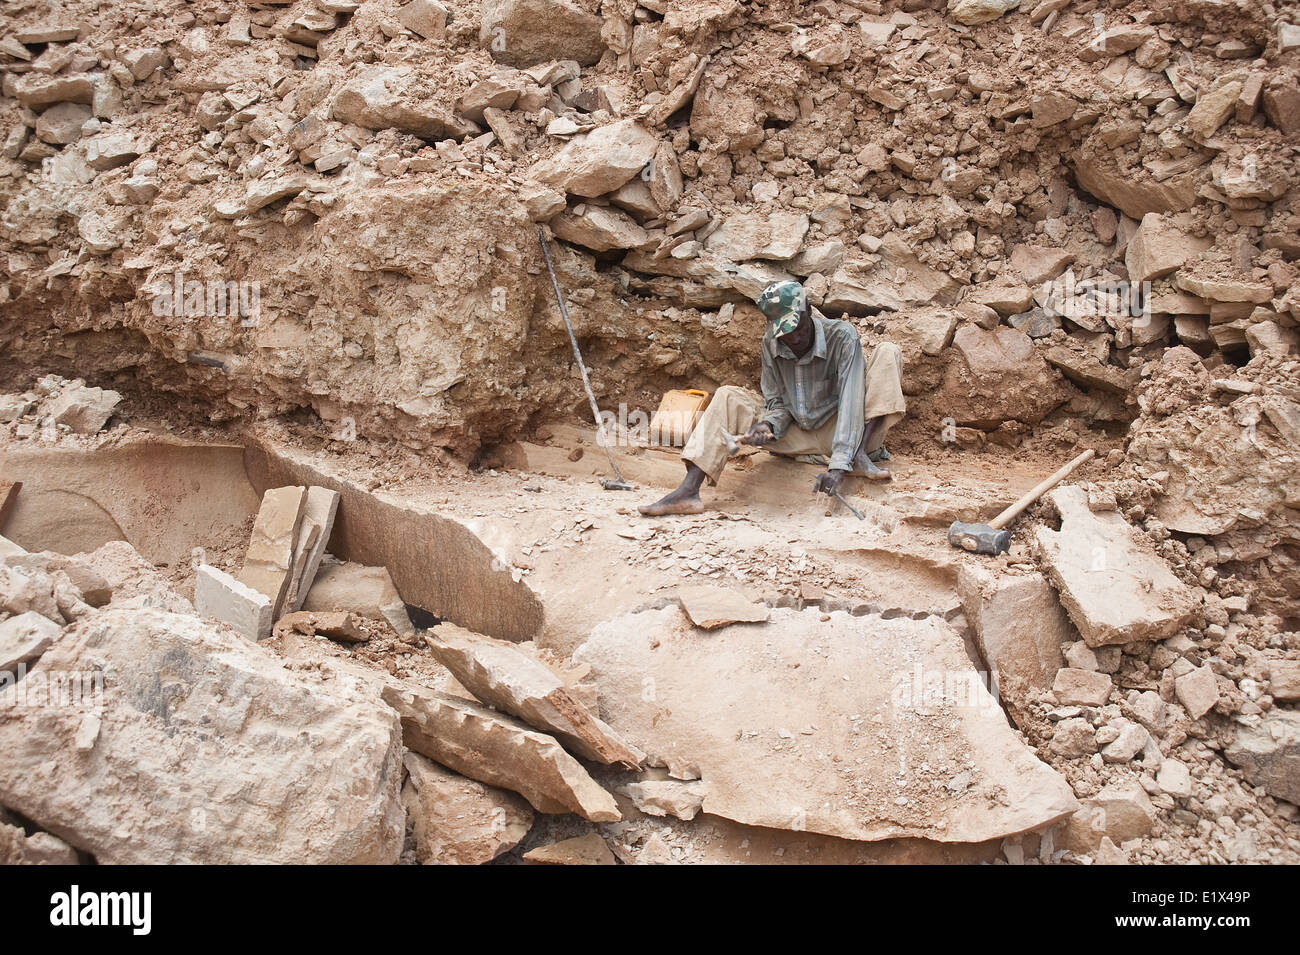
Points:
x=821, y=400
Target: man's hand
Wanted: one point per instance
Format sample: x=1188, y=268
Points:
x=759, y=435
x=830, y=482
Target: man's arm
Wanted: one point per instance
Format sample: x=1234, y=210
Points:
x=775, y=413
x=849, y=423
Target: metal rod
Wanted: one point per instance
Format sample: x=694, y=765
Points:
x=856, y=512
x=577, y=355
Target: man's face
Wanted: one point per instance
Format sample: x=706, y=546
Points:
x=801, y=339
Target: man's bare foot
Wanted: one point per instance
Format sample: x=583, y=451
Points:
x=863, y=466
x=679, y=501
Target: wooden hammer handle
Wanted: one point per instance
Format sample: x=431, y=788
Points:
x=1012, y=512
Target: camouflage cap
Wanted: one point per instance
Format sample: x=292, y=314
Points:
x=783, y=303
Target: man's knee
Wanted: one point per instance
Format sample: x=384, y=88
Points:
x=728, y=393
x=888, y=351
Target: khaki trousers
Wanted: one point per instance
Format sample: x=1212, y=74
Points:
x=739, y=409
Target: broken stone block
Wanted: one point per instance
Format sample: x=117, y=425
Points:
x=1197, y=691
x=1282, y=104
x=383, y=97
x=1000, y=376
x=1223, y=289
x=84, y=410
x=499, y=751
x=1174, y=779
x=1212, y=110
x=1073, y=738
x=61, y=124
x=1003, y=297
x=1082, y=687
x=1019, y=627
x=1269, y=754
x=528, y=32
x=23, y=638
x=599, y=228
x=110, y=151
x=318, y=513
x=335, y=624
x=583, y=850
x=1132, y=739
x=929, y=329
x=428, y=18
x=144, y=62
x=222, y=597
x=1128, y=813
x=711, y=607
x=1284, y=680
x=208, y=751
x=268, y=565
x=974, y=12
x=1270, y=338
x=700, y=705
x=367, y=591
x=1160, y=247
x=1037, y=264
x=1048, y=109
x=1115, y=589
x=681, y=799
x=509, y=680
x=459, y=821
x=542, y=203
x=743, y=236
x=599, y=161
x=35, y=91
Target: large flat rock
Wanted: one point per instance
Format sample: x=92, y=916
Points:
x=843, y=727
x=205, y=750
x=1115, y=588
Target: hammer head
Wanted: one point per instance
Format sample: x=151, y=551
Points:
x=978, y=538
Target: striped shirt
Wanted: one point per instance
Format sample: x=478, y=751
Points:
x=830, y=379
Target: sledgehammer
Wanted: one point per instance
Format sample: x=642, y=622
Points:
x=990, y=538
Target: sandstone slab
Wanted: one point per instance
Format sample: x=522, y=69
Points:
x=504, y=677
x=459, y=821
x=223, y=597
x=711, y=607
x=499, y=751
x=582, y=850
x=319, y=509
x=764, y=717
x=268, y=565
x=207, y=751
x=1114, y=587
